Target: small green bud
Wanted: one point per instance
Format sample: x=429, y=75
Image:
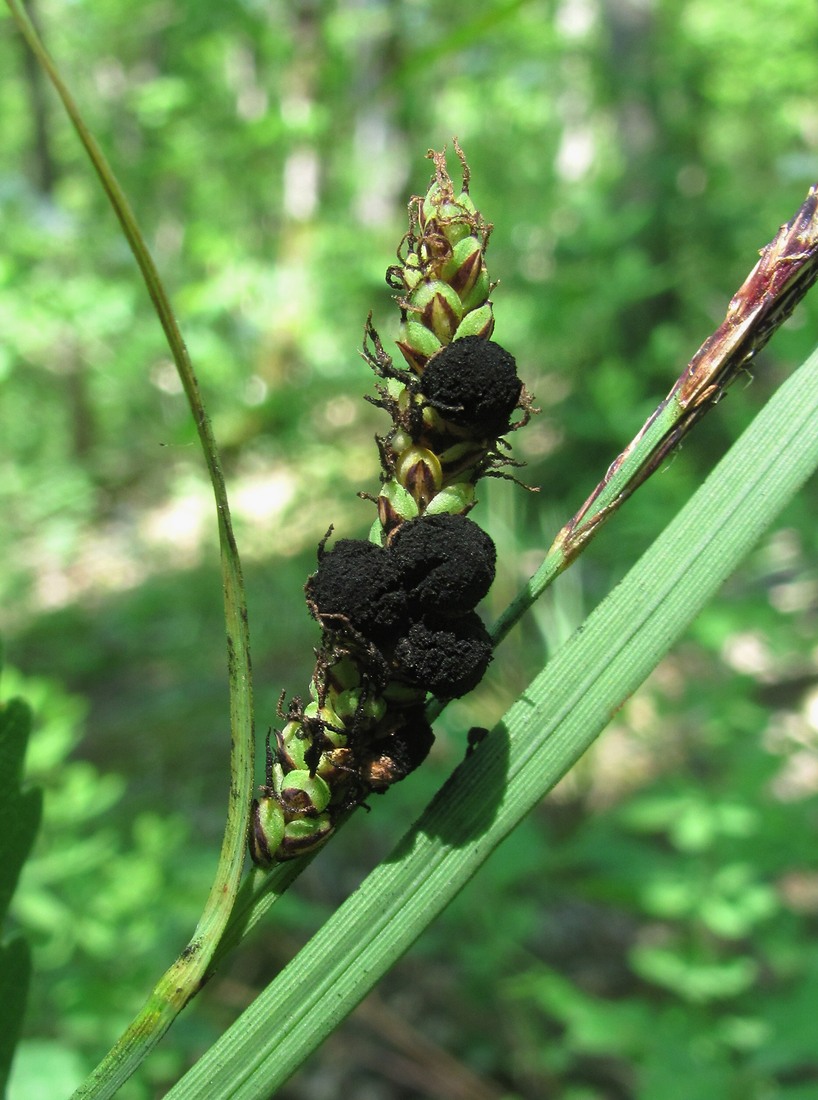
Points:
x=293, y=743
x=400, y=441
x=412, y=271
x=462, y=270
x=266, y=831
x=405, y=400
x=376, y=532
x=344, y=674
x=418, y=470
x=417, y=344
x=349, y=706
x=304, y=834
x=456, y=229
x=454, y=499
x=444, y=214
x=304, y=793
x=467, y=203
x=333, y=725
x=432, y=420
x=479, y=322
x=461, y=458
x=477, y=293
x=438, y=203
x=395, y=505
x=395, y=388
x=326, y=714
x=437, y=308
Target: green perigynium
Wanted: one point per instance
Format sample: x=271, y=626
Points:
x=397, y=612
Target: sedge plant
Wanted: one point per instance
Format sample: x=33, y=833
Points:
x=367, y=724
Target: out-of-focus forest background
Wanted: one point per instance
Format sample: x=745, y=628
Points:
x=650, y=931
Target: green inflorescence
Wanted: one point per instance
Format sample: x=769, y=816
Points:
x=397, y=611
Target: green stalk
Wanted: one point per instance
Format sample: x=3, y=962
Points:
x=184, y=978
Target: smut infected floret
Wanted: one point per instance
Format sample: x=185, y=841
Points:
x=395, y=756
x=447, y=656
x=473, y=383
x=358, y=583
x=447, y=564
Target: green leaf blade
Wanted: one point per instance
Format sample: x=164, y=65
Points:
x=538, y=740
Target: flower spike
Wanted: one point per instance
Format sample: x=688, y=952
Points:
x=397, y=611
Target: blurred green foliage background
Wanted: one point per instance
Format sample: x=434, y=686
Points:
x=650, y=931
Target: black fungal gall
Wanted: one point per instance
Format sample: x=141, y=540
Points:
x=473, y=383
x=357, y=582
x=395, y=756
x=447, y=656
x=447, y=564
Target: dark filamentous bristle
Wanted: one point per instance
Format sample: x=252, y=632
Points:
x=446, y=656
x=446, y=562
x=359, y=582
x=473, y=383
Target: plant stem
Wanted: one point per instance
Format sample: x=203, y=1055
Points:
x=787, y=269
